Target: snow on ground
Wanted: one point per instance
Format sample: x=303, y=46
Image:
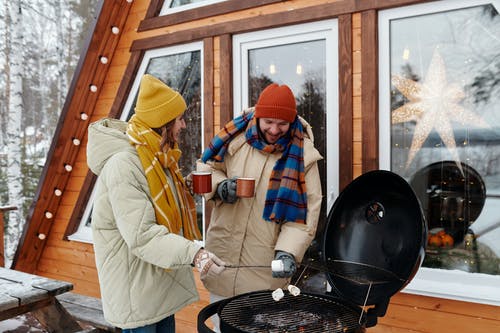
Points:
x=21, y=324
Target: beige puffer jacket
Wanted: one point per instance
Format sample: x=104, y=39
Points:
x=239, y=235
x=144, y=271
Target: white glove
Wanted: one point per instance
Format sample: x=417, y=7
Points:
x=208, y=263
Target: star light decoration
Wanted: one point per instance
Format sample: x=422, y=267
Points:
x=433, y=104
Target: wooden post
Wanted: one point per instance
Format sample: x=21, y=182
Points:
x=3, y=209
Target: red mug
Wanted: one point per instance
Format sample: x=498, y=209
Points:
x=245, y=187
x=202, y=182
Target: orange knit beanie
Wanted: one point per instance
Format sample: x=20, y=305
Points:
x=276, y=102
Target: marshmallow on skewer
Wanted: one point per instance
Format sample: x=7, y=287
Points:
x=294, y=290
x=278, y=294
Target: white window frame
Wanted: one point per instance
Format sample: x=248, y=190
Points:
x=84, y=232
x=442, y=283
x=323, y=30
x=165, y=9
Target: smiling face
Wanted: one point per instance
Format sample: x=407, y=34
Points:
x=272, y=129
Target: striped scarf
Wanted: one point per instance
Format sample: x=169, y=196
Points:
x=177, y=214
x=286, y=197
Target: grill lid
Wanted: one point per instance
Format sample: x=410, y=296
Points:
x=374, y=239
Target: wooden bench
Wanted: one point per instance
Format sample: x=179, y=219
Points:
x=87, y=310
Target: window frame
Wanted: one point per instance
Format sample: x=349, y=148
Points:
x=84, y=232
x=434, y=282
x=166, y=10
x=325, y=29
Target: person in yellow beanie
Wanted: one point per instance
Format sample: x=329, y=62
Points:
x=144, y=217
x=273, y=145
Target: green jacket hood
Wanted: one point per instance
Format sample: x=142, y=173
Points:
x=106, y=137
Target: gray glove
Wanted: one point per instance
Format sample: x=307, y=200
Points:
x=226, y=190
x=289, y=266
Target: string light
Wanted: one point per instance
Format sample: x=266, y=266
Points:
x=406, y=54
x=48, y=215
x=84, y=116
x=115, y=30
x=76, y=142
x=93, y=88
x=57, y=192
x=103, y=59
x=298, y=69
x=41, y=236
x=272, y=69
x=68, y=167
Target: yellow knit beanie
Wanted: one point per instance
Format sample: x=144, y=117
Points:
x=157, y=103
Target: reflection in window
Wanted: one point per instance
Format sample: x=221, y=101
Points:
x=445, y=130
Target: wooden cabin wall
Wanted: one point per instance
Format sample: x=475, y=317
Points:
x=71, y=260
x=74, y=261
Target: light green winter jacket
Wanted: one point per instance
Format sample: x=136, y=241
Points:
x=144, y=271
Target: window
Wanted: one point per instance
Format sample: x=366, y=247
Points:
x=304, y=57
x=173, y=6
x=440, y=130
x=180, y=67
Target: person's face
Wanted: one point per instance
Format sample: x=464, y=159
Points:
x=272, y=129
x=179, y=125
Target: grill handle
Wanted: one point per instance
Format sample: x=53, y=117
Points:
x=206, y=313
x=378, y=310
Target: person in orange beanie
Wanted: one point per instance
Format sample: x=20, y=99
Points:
x=144, y=217
x=272, y=144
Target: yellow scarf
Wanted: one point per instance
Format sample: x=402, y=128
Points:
x=154, y=160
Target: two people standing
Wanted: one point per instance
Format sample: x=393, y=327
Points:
x=144, y=221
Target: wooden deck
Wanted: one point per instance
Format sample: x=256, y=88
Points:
x=186, y=319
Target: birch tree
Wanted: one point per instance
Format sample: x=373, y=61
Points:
x=40, y=45
x=14, y=93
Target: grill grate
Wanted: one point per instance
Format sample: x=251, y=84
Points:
x=258, y=312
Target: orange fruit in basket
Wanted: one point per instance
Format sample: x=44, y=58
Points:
x=435, y=240
x=447, y=240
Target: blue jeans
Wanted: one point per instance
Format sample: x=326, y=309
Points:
x=167, y=325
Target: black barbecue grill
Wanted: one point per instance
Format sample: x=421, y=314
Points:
x=373, y=245
x=253, y=312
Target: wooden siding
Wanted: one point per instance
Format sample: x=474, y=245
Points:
x=58, y=258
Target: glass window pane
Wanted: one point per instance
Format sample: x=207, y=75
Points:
x=445, y=130
x=173, y=6
x=301, y=66
x=178, y=3
x=181, y=72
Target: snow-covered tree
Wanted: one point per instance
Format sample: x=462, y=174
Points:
x=40, y=45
